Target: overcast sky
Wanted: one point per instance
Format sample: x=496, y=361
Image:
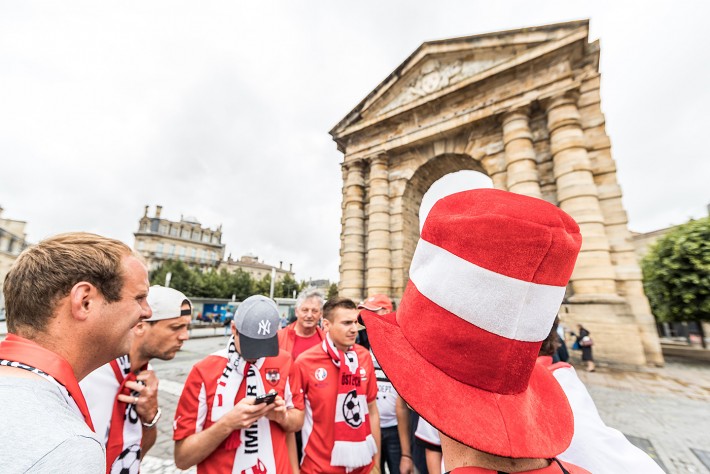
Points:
x=221, y=110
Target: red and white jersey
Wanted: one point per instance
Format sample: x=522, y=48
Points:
x=100, y=390
x=318, y=378
x=194, y=410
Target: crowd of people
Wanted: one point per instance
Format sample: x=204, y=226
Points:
x=463, y=377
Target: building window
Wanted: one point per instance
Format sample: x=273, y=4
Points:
x=159, y=250
x=206, y=238
x=181, y=251
x=173, y=231
x=171, y=249
x=193, y=252
x=141, y=245
x=185, y=233
x=164, y=229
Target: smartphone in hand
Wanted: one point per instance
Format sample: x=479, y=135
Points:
x=265, y=398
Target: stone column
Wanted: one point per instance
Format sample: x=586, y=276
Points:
x=352, y=267
x=379, y=259
x=593, y=276
x=520, y=164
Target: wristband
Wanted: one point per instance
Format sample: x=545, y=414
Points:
x=154, y=420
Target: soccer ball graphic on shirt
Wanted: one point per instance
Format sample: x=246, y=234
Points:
x=128, y=462
x=352, y=412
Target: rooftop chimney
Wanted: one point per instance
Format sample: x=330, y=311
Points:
x=290, y=267
x=281, y=264
x=158, y=210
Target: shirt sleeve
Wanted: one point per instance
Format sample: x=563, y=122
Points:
x=293, y=388
x=191, y=410
x=79, y=454
x=592, y=436
x=371, y=379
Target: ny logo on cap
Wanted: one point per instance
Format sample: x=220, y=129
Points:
x=264, y=327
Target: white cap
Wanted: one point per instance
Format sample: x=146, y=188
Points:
x=166, y=303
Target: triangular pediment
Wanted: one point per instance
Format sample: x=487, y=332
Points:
x=440, y=67
x=437, y=72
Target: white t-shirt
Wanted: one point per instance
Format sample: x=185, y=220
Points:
x=386, y=397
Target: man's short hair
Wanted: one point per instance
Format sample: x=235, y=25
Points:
x=308, y=294
x=334, y=303
x=46, y=272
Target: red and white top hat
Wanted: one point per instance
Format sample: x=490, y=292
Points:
x=486, y=282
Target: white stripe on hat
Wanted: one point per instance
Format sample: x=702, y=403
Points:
x=502, y=305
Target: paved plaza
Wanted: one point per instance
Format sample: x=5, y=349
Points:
x=663, y=410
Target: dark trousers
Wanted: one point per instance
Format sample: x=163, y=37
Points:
x=391, y=450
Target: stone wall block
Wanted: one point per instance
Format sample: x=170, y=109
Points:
x=591, y=116
x=592, y=83
x=589, y=98
x=567, y=138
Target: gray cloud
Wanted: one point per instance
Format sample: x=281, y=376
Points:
x=221, y=110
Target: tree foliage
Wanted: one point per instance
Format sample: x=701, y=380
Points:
x=676, y=273
x=222, y=283
x=332, y=291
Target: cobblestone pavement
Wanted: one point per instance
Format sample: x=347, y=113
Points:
x=666, y=409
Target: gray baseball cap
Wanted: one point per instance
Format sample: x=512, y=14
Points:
x=257, y=321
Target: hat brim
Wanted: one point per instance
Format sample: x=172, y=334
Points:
x=251, y=348
x=536, y=423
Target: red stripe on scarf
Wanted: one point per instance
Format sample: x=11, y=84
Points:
x=114, y=446
x=351, y=387
x=19, y=349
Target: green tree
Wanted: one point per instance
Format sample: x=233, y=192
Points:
x=676, y=273
x=263, y=286
x=241, y=285
x=182, y=278
x=285, y=287
x=332, y=291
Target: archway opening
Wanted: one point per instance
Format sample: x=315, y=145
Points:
x=450, y=184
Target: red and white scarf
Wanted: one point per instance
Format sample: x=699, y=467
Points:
x=354, y=445
x=125, y=431
x=254, y=451
x=16, y=351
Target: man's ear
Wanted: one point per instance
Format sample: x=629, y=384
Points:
x=325, y=323
x=140, y=328
x=84, y=298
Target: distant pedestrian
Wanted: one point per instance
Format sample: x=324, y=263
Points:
x=584, y=342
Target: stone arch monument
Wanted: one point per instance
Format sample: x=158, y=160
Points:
x=523, y=107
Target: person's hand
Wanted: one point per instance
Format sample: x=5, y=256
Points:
x=278, y=413
x=406, y=466
x=245, y=413
x=144, y=395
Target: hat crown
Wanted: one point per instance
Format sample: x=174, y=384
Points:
x=257, y=317
x=165, y=302
x=488, y=277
